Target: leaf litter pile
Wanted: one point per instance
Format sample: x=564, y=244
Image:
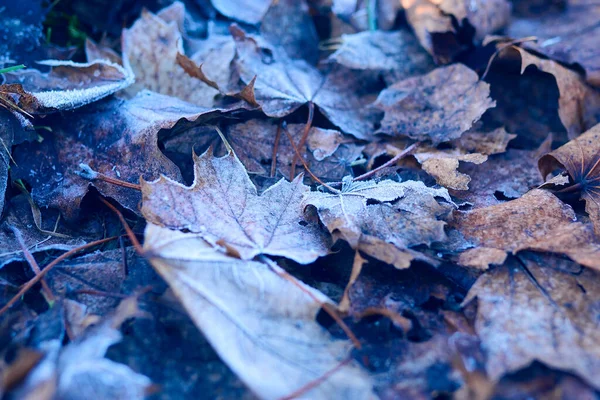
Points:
x=321, y=199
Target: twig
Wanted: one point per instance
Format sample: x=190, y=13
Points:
x=302, y=142
x=29, y=284
x=88, y=173
x=316, y=382
x=32, y=263
x=391, y=162
x=325, y=306
x=275, y=147
x=305, y=165
x=136, y=244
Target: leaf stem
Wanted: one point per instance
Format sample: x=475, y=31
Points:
x=311, y=114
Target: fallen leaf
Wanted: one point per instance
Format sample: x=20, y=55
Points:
x=223, y=206
x=566, y=36
x=472, y=147
x=117, y=138
x=403, y=215
x=150, y=50
x=395, y=55
x=288, y=24
x=439, y=106
x=444, y=38
x=537, y=221
x=283, y=85
x=240, y=10
x=580, y=158
x=66, y=87
x=578, y=103
x=253, y=316
x=538, y=308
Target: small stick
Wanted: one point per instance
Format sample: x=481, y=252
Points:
x=29, y=284
x=136, y=244
x=88, y=173
x=311, y=114
x=305, y=165
x=327, y=307
x=316, y=382
x=387, y=164
x=32, y=263
x=275, y=147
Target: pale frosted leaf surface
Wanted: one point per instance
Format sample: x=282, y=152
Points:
x=540, y=309
x=262, y=325
x=406, y=214
x=250, y=12
x=67, y=86
x=150, y=50
x=439, y=106
x=117, y=138
x=396, y=55
x=283, y=85
x=223, y=204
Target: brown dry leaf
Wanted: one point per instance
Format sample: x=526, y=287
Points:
x=581, y=159
x=432, y=21
x=472, y=147
x=117, y=138
x=536, y=221
x=539, y=309
x=67, y=86
x=150, y=49
x=289, y=24
x=253, y=316
x=395, y=55
x=223, y=206
x=568, y=36
x=98, y=51
x=244, y=11
x=439, y=106
x=283, y=85
x=578, y=103
x=404, y=215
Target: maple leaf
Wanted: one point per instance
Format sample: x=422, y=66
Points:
x=566, y=36
x=253, y=316
x=439, y=106
x=283, y=85
x=581, y=159
x=537, y=221
x=435, y=23
x=395, y=55
x=68, y=85
x=385, y=230
x=542, y=300
x=151, y=48
x=223, y=206
x=120, y=141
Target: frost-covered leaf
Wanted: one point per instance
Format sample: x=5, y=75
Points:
x=403, y=215
x=117, y=138
x=540, y=309
x=69, y=85
x=439, y=106
x=252, y=316
x=224, y=206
